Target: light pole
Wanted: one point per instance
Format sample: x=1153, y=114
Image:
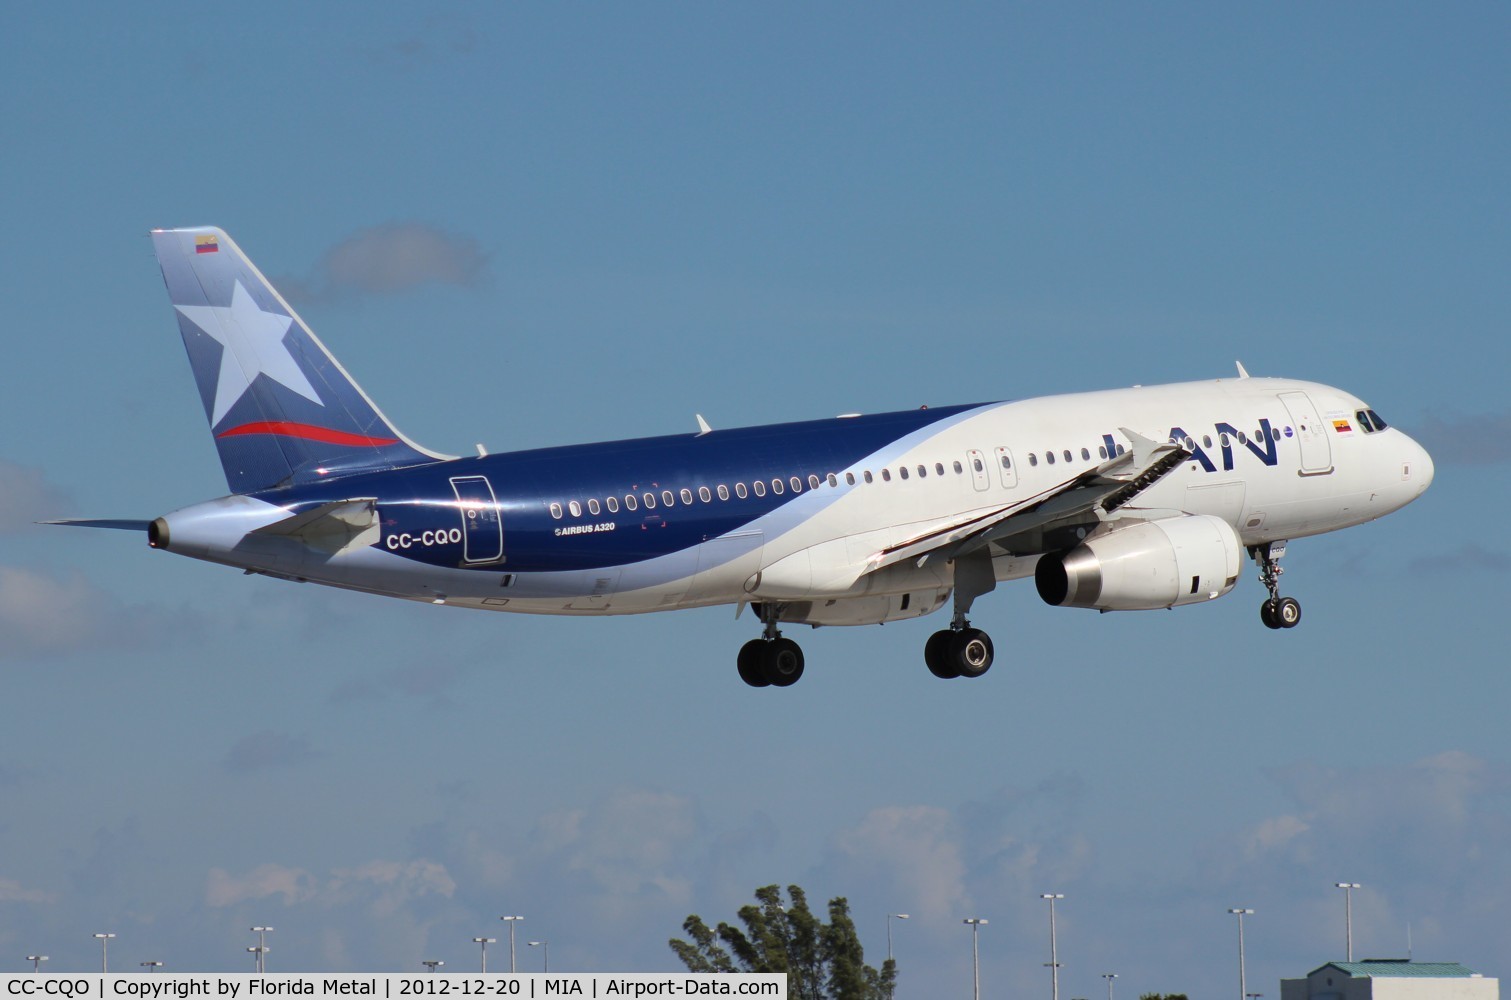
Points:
x=485, y=942
x=511, y=922
x=1348, y=913
x=262, y=948
x=1243, y=984
x=975, y=923
x=151, y=966
x=890, y=918
x=547, y=952
x=1109, y=976
x=432, y=963
x=1054, y=955
x=104, y=951
x=36, y=962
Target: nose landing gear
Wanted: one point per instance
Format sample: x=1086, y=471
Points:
x=1276, y=612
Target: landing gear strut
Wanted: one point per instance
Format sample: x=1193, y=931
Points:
x=772, y=659
x=1276, y=611
x=962, y=651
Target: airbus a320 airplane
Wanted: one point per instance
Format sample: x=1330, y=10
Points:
x=1121, y=500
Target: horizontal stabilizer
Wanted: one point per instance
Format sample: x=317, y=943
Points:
x=330, y=527
x=101, y=522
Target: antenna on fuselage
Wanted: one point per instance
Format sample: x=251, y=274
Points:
x=703, y=427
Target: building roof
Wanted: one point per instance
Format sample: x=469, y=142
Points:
x=1390, y=967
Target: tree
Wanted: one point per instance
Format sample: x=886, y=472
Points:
x=822, y=961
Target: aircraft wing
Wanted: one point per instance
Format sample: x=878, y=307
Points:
x=1087, y=498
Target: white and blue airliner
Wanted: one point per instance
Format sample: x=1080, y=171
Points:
x=1142, y=498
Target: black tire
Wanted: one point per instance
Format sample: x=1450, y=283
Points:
x=749, y=662
x=971, y=651
x=782, y=662
x=936, y=653
x=1288, y=612
x=1267, y=614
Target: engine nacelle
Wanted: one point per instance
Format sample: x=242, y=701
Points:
x=1145, y=566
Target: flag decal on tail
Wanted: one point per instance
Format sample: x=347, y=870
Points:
x=309, y=432
x=206, y=244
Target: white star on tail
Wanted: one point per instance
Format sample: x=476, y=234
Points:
x=253, y=345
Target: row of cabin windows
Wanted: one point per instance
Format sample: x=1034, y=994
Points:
x=669, y=498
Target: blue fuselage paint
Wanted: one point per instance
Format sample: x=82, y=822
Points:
x=418, y=508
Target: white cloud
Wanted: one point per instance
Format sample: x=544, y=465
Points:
x=295, y=885
x=41, y=613
x=393, y=257
x=27, y=497
x=12, y=891
x=917, y=849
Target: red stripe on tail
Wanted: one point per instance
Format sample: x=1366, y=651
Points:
x=309, y=432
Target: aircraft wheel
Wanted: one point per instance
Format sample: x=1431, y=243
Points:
x=1267, y=614
x=971, y=651
x=936, y=653
x=749, y=662
x=1288, y=612
x=782, y=662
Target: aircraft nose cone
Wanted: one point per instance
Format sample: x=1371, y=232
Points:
x=1417, y=467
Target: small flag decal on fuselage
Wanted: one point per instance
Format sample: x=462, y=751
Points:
x=1342, y=426
x=206, y=244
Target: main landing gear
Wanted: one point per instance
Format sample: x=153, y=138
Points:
x=958, y=651
x=1276, y=611
x=962, y=651
x=772, y=659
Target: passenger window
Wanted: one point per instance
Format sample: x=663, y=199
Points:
x=1066, y=453
x=1188, y=444
x=723, y=492
x=939, y=468
x=923, y=472
x=630, y=502
x=886, y=475
x=1085, y=456
x=687, y=496
x=575, y=508
x=650, y=500
x=959, y=469
x=1007, y=462
x=593, y=507
x=668, y=499
x=1102, y=451
x=1033, y=460
x=833, y=479
x=849, y=479
x=556, y=511
x=797, y=484
x=612, y=503
x=867, y=475
x=776, y=487
x=976, y=464
x=1050, y=456
x=704, y=495
x=1243, y=438
x=1206, y=440
x=902, y=470
x=813, y=481
x=1223, y=438
x=760, y=487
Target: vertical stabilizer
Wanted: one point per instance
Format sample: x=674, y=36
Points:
x=282, y=409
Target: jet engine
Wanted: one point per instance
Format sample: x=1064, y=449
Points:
x=1145, y=566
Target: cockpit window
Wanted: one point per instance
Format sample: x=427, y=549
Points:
x=1374, y=417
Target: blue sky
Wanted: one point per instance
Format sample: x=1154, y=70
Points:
x=526, y=226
